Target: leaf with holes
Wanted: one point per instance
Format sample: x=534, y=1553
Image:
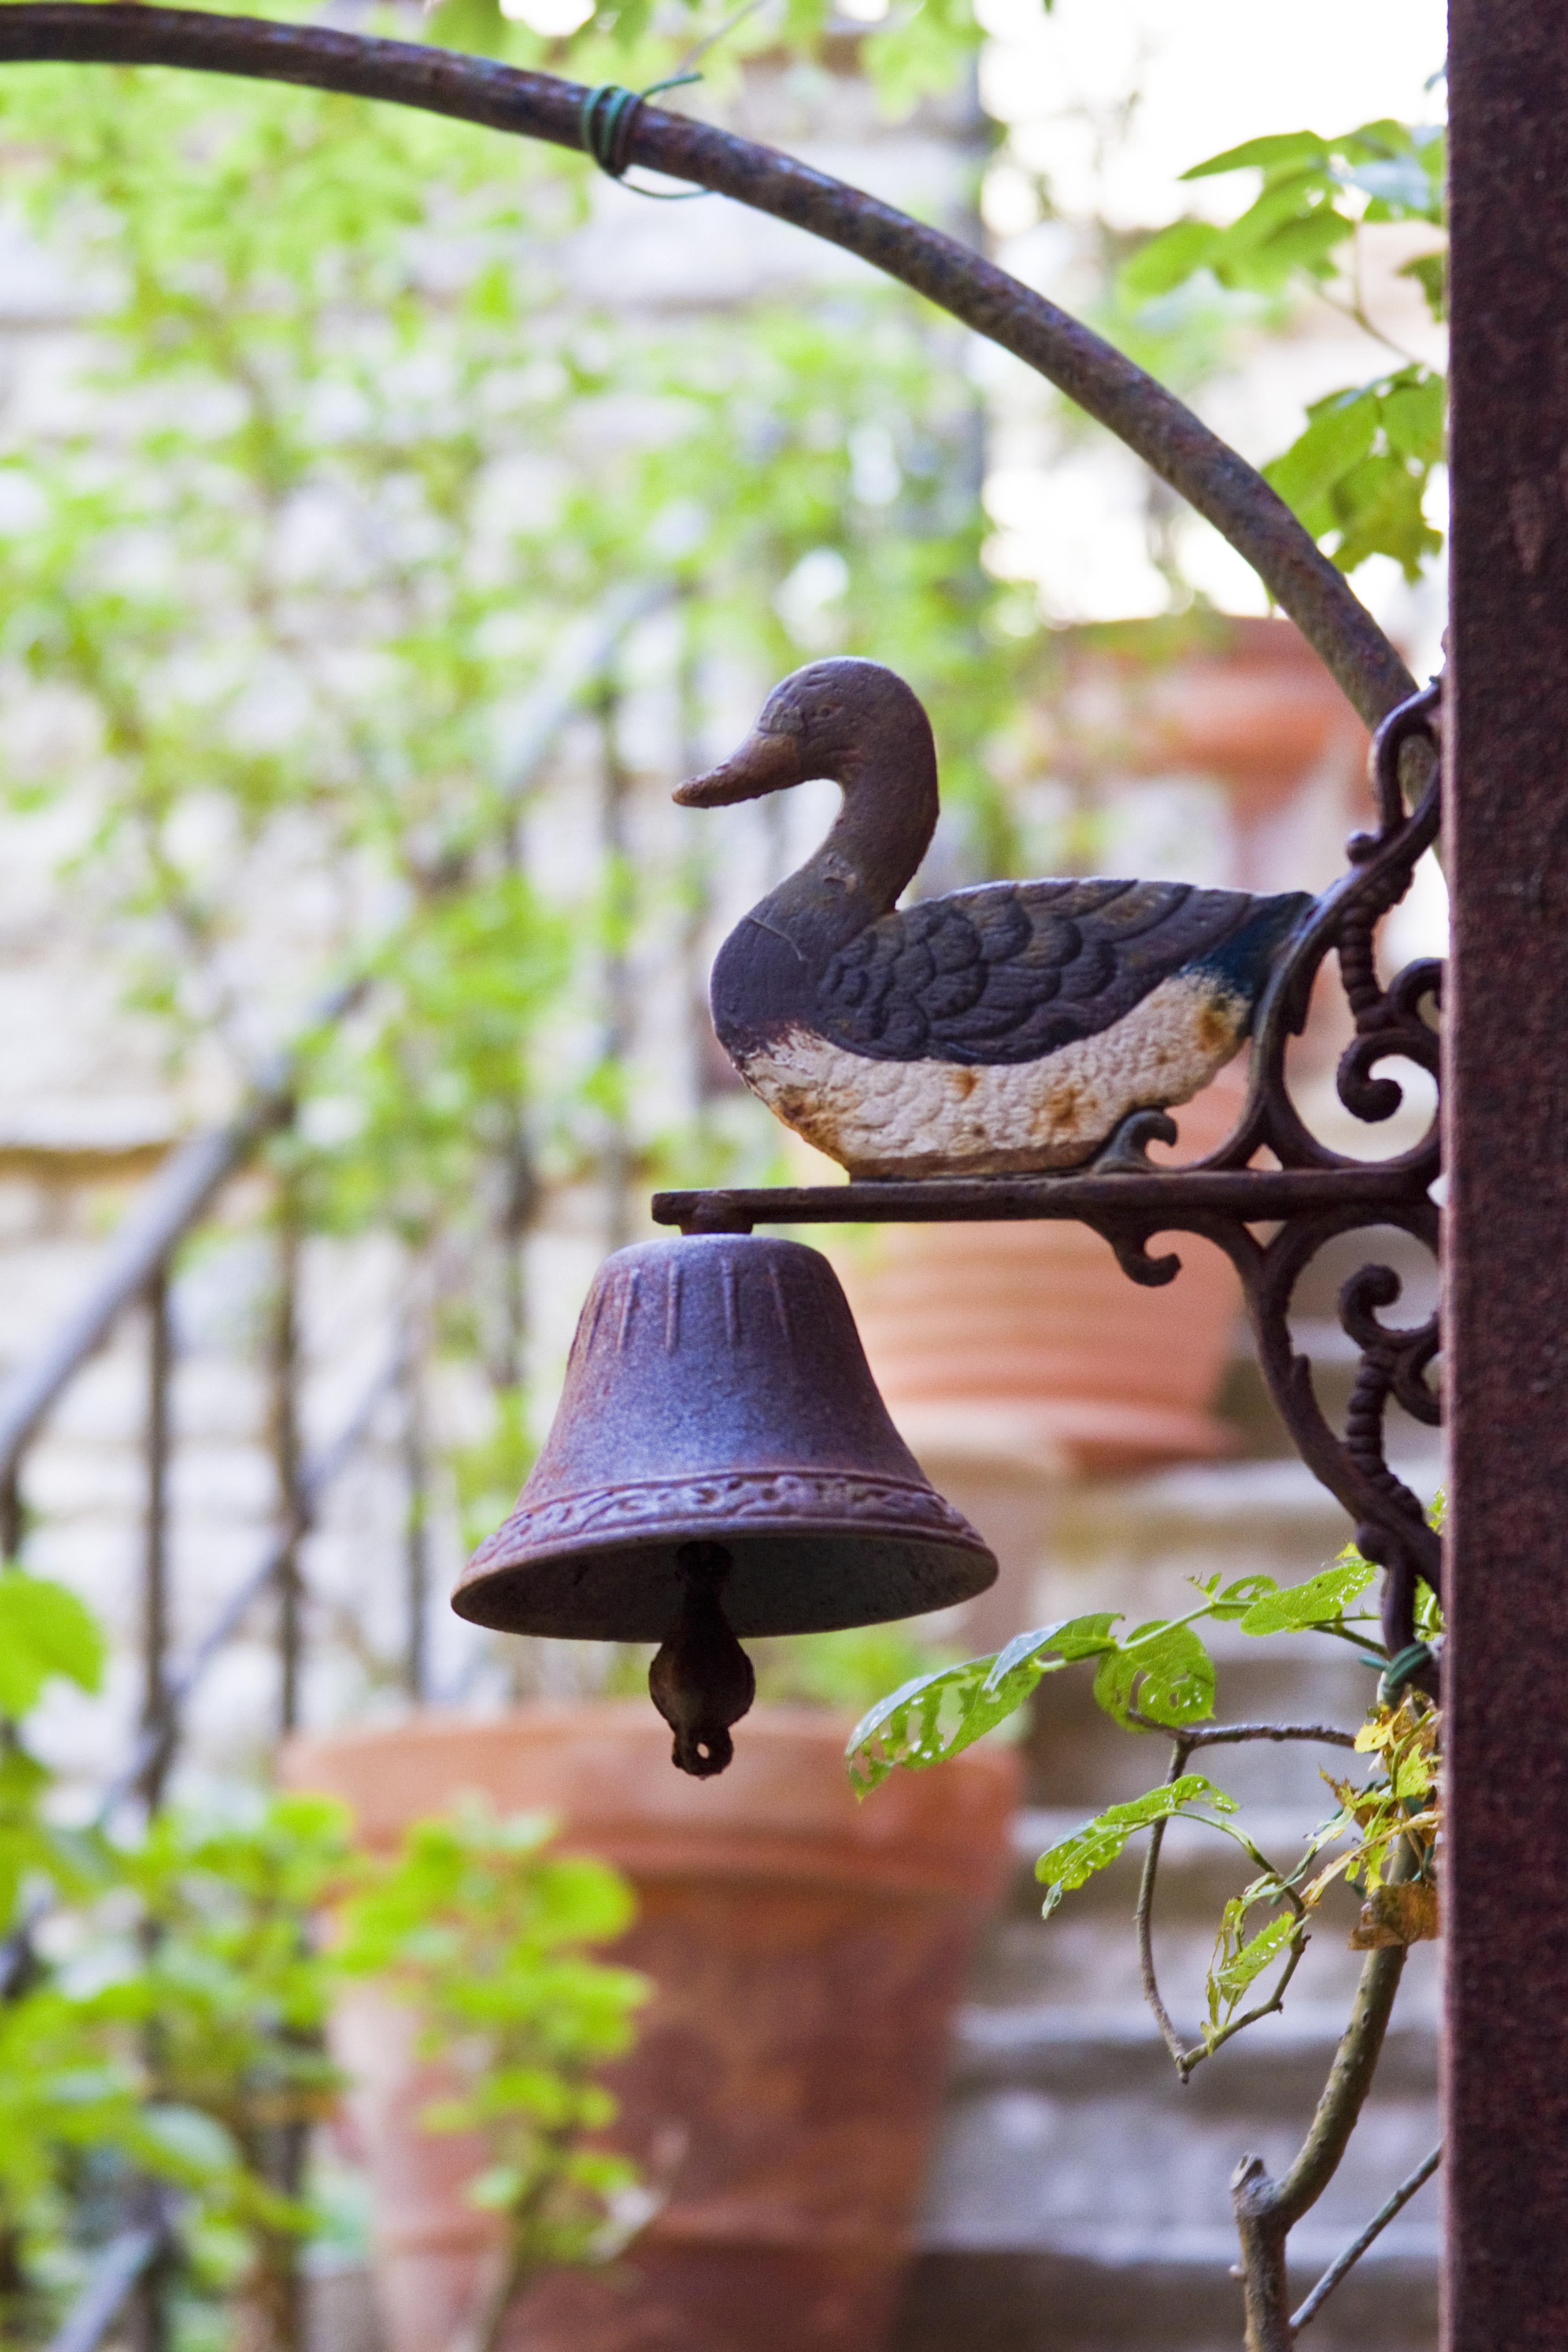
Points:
x=1164, y=1670
x=1240, y=1959
x=1319, y=1601
x=1074, y=1861
x=939, y=1714
x=1228, y=1601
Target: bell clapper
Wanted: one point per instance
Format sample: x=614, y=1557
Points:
x=702, y=1680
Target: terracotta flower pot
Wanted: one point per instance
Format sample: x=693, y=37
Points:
x=1243, y=700
x=1008, y=1343
x=807, y=1953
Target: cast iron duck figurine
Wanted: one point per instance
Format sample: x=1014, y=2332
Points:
x=1000, y=1030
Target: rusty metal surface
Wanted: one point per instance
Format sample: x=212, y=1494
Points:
x=1506, y=1891
x=1209, y=474
x=717, y=1394
x=1307, y=1199
x=1248, y=1193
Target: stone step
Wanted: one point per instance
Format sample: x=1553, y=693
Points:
x=1079, y=2195
x=1069, y=2052
x=1176, y=2297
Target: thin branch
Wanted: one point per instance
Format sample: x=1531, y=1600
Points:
x=1187, y=2058
x=1223, y=1735
x=1346, y=2088
x=1143, y=1917
x=1368, y=1644
x=1358, y=2246
x=1357, y=315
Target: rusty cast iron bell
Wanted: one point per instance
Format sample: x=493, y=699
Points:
x=722, y=1464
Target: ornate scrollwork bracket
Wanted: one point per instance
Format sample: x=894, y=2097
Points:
x=1270, y=1219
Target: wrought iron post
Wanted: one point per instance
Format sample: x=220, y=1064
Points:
x=615, y=786
x=11, y=1512
x=285, y=1436
x=416, y=1536
x=1506, y=1866
x=155, y=1542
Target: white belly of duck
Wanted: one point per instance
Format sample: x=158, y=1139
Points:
x=996, y=1118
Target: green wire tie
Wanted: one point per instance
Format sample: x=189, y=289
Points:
x=1402, y=1668
x=605, y=122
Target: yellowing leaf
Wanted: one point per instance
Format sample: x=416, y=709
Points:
x=1407, y=1913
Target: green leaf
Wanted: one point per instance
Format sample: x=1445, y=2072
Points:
x=1255, y=1956
x=1236, y=1599
x=1163, y=1669
x=1379, y=508
x=1317, y=1602
x=1340, y=432
x=1306, y=243
x=1073, y=1861
x=1244, y=1958
x=1168, y=260
x=1267, y=155
x=1430, y=271
x=938, y=1714
x=45, y=1630
x=1412, y=414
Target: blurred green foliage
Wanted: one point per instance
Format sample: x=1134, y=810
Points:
x=1162, y=1676
x=1358, y=476
x=486, y=1933
x=163, y=2023
x=906, y=54
x=347, y=464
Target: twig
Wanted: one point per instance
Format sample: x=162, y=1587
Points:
x=1222, y=1735
x=1358, y=2246
x=1143, y=1917
x=1266, y=2210
x=1188, y=2057
x=1358, y=317
x=1367, y=1643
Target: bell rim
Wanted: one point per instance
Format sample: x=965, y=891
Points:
x=630, y=1590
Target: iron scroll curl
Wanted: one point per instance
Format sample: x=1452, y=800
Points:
x=1392, y=1022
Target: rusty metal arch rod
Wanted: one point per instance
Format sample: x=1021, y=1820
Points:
x=1209, y=474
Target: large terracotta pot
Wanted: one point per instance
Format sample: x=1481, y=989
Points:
x=1008, y=1343
x=807, y=1952
x=1244, y=700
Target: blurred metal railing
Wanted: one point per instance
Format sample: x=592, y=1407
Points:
x=136, y=1270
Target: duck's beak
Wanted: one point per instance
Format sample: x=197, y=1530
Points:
x=764, y=763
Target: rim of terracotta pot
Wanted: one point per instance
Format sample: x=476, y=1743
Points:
x=783, y=1812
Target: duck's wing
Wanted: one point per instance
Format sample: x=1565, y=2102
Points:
x=1013, y=970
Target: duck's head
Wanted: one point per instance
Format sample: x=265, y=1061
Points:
x=832, y=718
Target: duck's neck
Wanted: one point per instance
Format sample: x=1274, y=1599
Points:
x=877, y=841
